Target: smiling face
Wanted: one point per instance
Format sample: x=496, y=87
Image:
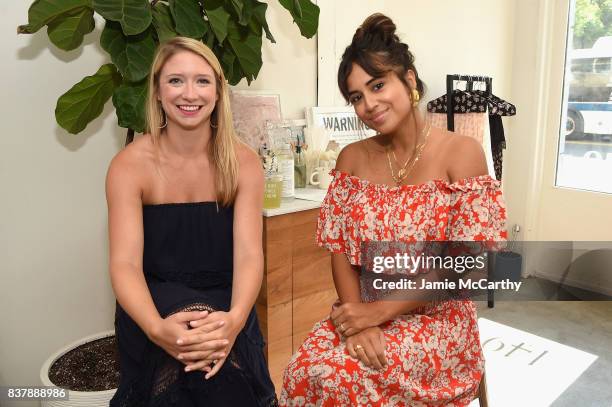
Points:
x=384, y=103
x=187, y=90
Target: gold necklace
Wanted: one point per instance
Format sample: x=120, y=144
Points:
x=405, y=170
x=403, y=167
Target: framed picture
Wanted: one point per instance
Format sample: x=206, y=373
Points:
x=251, y=110
x=342, y=123
x=285, y=132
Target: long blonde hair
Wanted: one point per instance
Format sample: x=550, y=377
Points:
x=223, y=141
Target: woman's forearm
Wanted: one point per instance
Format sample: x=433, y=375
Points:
x=389, y=310
x=134, y=297
x=346, y=279
x=248, y=275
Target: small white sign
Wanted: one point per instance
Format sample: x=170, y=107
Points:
x=342, y=123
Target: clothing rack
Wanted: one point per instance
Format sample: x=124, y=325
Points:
x=470, y=79
x=450, y=123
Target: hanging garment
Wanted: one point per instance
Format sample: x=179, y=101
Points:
x=469, y=124
x=473, y=101
x=480, y=101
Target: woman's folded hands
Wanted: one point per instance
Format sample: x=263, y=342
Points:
x=198, y=339
x=209, y=342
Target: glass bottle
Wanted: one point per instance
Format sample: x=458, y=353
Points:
x=299, y=167
x=285, y=168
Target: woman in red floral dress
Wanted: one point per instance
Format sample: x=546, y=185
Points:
x=408, y=183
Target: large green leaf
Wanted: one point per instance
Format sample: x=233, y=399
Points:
x=298, y=8
x=67, y=32
x=133, y=15
x=163, y=22
x=218, y=18
x=42, y=12
x=129, y=100
x=209, y=39
x=133, y=54
x=189, y=20
x=85, y=100
x=238, y=5
x=237, y=73
x=243, y=10
x=259, y=14
x=305, y=14
x=247, y=47
x=227, y=63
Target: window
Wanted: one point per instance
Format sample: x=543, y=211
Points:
x=602, y=65
x=585, y=143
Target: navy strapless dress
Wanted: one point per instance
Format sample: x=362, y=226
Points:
x=188, y=265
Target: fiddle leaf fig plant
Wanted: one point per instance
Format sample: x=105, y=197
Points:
x=233, y=29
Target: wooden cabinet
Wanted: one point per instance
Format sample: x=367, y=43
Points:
x=297, y=289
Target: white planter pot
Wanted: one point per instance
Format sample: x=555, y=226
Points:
x=77, y=398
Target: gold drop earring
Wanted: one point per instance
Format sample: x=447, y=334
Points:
x=416, y=96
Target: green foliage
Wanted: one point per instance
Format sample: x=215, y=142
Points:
x=218, y=18
x=67, y=32
x=233, y=29
x=133, y=15
x=42, y=12
x=129, y=99
x=85, y=100
x=305, y=15
x=593, y=19
x=247, y=48
x=132, y=54
x=163, y=22
x=189, y=21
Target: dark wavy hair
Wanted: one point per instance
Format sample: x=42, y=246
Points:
x=378, y=50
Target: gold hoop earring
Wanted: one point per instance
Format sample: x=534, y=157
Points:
x=416, y=96
x=165, y=120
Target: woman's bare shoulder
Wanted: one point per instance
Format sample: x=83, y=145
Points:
x=463, y=155
x=249, y=163
x=135, y=154
x=246, y=156
x=352, y=156
x=133, y=162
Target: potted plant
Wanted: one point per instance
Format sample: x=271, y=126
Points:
x=86, y=368
x=233, y=29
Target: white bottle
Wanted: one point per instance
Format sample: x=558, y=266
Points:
x=285, y=168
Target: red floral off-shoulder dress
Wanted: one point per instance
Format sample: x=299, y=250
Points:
x=434, y=353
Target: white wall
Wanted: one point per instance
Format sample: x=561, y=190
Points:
x=54, y=286
x=447, y=37
x=290, y=65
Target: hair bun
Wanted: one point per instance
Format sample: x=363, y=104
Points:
x=377, y=25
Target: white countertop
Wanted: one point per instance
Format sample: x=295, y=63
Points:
x=306, y=198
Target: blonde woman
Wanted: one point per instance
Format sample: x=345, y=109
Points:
x=186, y=260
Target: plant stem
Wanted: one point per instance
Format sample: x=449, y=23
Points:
x=130, y=136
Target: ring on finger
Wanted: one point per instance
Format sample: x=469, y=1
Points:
x=341, y=327
x=358, y=347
